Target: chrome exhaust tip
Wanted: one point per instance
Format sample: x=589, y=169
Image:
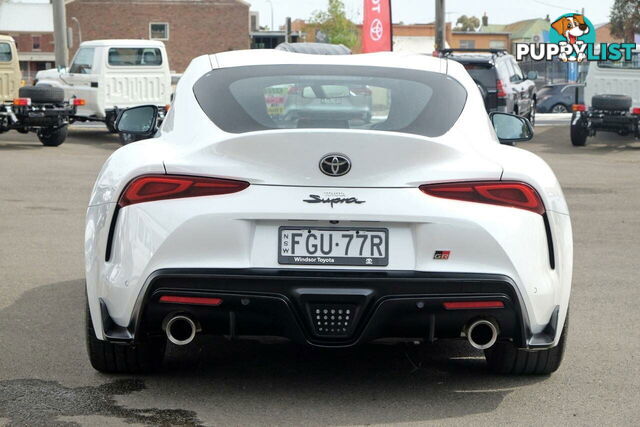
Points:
x=482, y=333
x=181, y=329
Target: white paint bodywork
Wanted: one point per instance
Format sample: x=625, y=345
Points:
x=240, y=230
x=117, y=86
x=613, y=81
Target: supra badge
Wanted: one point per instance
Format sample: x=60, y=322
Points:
x=442, y=255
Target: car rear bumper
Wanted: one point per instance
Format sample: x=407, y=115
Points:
x=292, y=303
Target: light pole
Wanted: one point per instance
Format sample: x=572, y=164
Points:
x=271, y=5
x=74, y=19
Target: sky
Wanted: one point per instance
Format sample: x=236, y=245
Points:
x=422, y=11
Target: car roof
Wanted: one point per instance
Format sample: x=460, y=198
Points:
x=123, y=42
x=278, y=57
x=5, y=38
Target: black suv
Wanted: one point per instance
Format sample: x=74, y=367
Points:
x=503, y=85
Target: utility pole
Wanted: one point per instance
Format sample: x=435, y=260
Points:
x=60, y=32
x=287, y=33
x=440, y=24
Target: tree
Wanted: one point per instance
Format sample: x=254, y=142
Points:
x=335, y=25
x=467, y=23
x=624, y=19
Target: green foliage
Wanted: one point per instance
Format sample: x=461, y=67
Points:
x=334, y=23
x=625, y=19
x=467, y=23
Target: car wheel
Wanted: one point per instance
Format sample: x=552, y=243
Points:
x=50, y=137
x=532, y=113
x=112, y=358
x=559, y=108
x=579, y=131
x=505, y=358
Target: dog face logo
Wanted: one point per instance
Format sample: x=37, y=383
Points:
x=572, y=30
x=571, y=27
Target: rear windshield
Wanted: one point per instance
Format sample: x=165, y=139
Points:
x=482, y=73
x=133, y=56
x=5, y=52
x=245, y=99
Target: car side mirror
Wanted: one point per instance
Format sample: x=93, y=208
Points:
x=532, y=75
x=140, y=120
x=511, y=128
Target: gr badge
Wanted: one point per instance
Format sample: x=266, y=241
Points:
x=441, y=255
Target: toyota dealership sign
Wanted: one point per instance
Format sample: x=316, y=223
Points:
x=376, y=28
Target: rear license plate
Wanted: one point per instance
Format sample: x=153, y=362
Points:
x=333, y=246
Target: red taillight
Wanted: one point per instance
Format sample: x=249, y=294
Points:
x=190, y=300
x=513, y=194
x=161, y=187
x=22, y=102
x=579, y=107
x=500, y=89
x=636, y=111
x=463, y=305
x=294, y=90
x=78, y=101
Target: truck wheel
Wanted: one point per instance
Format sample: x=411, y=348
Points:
x=579, y=132
x=128, y=138
x=110, y=121
x=611, y=102
x=51, y=137
x=505, y=358
x=42, y=94
x=112, y=358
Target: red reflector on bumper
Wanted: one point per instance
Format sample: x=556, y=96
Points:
x=462, y=305
x=190, y=300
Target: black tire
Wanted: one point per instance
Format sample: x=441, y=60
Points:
x=505, y=358
x=52, y=137
x=128, y=138
x=112, y=358
x=110, y=121
x=42, y=94
x=611, y=102
x=579, y=132
x=532, y=113
x=559, y=108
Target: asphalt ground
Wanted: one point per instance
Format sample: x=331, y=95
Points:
x=45, y=377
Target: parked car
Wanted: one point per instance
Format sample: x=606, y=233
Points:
x=43, y=110
x=418, y=225
x=559, y=97
x=502, y=83
x=612, y=93
x=111, y=75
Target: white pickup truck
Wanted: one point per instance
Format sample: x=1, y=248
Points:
x=612, y=100
x=111, y=75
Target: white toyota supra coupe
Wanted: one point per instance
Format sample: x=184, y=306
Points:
x=331, y=200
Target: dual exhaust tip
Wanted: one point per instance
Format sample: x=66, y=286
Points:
x=482, y=333
x=181, y=329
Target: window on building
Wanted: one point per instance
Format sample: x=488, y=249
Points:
x=83, y=61
x=159, y=31
x=497, y=44
x=35, y=42
x=467, y=44
x=5, y=52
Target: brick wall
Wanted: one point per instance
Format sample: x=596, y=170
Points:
x=24, y=42
x=196, y=27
